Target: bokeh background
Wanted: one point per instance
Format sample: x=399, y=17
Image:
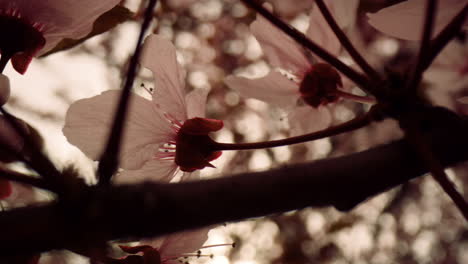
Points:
x=414, y=223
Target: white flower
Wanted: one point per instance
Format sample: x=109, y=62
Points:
x=284, y=53
x=162, y=134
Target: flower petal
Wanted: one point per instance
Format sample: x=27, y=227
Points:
x=307, y=119
x=179, y=243
x=320, y=32
x=280, y=49
x=88, y=122
x=61, y=18
x=273, y=88
x=153, y=170
x=196, y=103
x=160, y=57
x=410, y=16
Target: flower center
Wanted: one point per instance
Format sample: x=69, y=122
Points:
x=19, y=36
x=320, y=84
x=194, y=148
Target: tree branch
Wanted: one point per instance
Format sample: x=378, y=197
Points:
x=104, y=213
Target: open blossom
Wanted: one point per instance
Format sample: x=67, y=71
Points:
x=166, y=250
x=405, y=20
x=162, y=134
x=314, y=83
x=33, y=27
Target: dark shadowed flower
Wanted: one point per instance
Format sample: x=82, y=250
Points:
x=33, y=27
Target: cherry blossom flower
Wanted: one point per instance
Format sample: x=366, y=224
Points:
x=33, y=27
x=410, y=16
x=162, y=134
x=166, y=250
x=313, y=83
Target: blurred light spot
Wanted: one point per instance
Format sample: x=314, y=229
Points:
x=264, y=234
x=321, y=148
x=233, y=47
x=301, y=22
x=342, y=113
x=231, y=98
x=462, y=253
x=207, y=10
x=243, y=229
x=247, y=252
x=282, y=154
x=410, y=219
x=386, y=46
x=166, y=32
x=256, y=105
x=238, y=10
x=431, y=217
x=315, y=223
x=198, y=79
x=206, y=30
x=387, y=221
x=251, y=126
x=220, y=260
x=259, y=161
x=386, y=240
x=186, y=40
x=356, y=240
x=423, y=244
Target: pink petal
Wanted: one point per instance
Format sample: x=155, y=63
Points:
x=307, y=119
x=88, y=122
x=280, y=50
x=61, y=18
x=405, y=20
x=196, y=103
x=344, y=12
x=183, y=242
x=153, y=170
x=160, y=57
x=274, y=88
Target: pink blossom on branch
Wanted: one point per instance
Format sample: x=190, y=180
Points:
x=162, y=134
x=33, y=27
x=405, y=20
x=314, y=83
x=166, y=250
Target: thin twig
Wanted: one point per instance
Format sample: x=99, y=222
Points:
x=437, y=170
x=25, y=179
x=37, y=160
x=349, y=72
x=346, y=43
x=418, y=67
x=109, y=160
x=351, y=125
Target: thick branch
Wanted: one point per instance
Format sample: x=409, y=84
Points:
x=150, y=209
